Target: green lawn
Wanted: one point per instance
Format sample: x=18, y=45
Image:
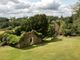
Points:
x=66, y=49
x=1, y=32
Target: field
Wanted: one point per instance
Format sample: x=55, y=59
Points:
x=67, y=48
x=2, y=32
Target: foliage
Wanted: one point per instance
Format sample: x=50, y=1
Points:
x=39, y=23
x=39, y=34
x=9, y=39
x=52, y=18
x=18, y=30
x=51, y=31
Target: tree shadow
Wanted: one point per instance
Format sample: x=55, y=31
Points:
x=41, y=44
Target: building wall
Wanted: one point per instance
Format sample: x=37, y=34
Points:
x=28, y=39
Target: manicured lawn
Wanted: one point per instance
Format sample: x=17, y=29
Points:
x=66, y=49
x=2, y=32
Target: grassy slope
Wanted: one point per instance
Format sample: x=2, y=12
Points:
x=67, y=49
x=1, y=32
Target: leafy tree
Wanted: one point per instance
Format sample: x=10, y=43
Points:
x=39, y=23
x=76, y=21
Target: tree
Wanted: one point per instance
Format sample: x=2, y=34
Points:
x=76, y=21
x=39, y=23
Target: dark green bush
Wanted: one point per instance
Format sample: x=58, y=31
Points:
x=18, y=30
x=51, y=31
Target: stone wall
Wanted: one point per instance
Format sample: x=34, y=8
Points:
x=29, y=38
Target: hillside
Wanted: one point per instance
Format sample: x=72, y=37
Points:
x=68, y=48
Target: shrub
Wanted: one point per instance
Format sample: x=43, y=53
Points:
x=67, y=32
x=9, y=28
x=13, y=39
x=18, y=30
x=10, y=39
x=51, y=31
x=39, y=34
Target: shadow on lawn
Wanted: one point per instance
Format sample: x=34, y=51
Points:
x=42, y=44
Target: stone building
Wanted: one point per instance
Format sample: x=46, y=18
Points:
x=29, y=38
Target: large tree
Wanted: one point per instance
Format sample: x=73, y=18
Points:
x=76, y=21
x=39, y=23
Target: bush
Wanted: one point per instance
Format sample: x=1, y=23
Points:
x=18, y=30
x=39, y=34
x=10, y=39
x=51, y=31
x=9, y=28
x=13, y=39
x=67, y=32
